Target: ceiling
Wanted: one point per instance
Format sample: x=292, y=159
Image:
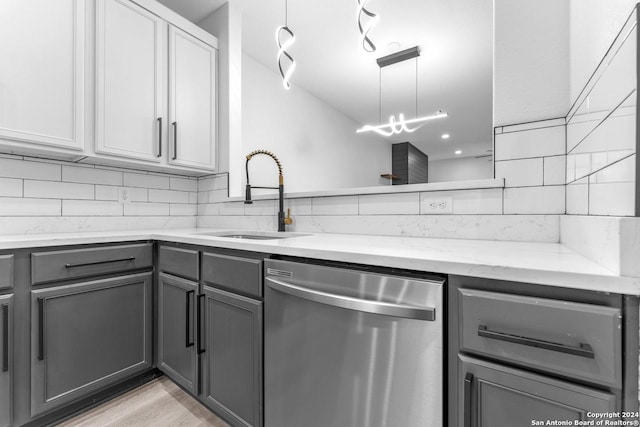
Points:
x=454, y=69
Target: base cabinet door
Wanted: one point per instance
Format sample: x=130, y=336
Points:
x=177, y=356
x=493, y=395
x=231, y=337
x=87, y=336
x=6, y=356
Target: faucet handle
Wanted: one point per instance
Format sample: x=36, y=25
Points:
x=288, y=220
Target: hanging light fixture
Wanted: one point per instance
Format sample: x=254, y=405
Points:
x=282, y=49
x=367, y=44
x=397, y=126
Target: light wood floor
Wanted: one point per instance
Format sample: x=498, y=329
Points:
x=158, y=403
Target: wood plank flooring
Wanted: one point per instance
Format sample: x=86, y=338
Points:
x=158, y=403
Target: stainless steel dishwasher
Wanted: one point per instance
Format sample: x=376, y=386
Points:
x=350, y=348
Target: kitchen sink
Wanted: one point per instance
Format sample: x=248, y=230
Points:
x=251, y=235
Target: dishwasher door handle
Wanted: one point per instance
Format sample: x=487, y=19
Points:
x=356, y=304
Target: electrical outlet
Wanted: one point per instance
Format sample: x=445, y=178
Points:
x=440, y=205
x=124, y=195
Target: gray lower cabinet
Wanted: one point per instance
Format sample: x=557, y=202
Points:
x=87, y=336
x=177, y=356
x=231, y=340
x=493, y=395
x=6, y=356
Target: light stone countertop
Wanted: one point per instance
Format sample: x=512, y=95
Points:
x=530, y=262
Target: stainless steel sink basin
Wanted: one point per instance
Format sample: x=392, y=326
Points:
x=251, y=235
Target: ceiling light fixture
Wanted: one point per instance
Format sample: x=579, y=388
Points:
x=400, y=125
x=367, y=44
x=445, y=136
x=395, y=127
x=282, y=49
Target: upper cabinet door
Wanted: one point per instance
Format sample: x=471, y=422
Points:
x=130, y=67
x=192, y=101
x=42, y=72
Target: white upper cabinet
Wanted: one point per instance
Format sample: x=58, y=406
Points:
x=42, y=72
x=130, y=80
x=192, y=101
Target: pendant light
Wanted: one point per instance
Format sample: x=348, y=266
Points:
x=290, y=39
x=367, y=44
x=399, y=125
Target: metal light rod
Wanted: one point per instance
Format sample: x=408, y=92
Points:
x=400, y=56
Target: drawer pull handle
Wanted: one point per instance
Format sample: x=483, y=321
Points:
x=175, y=140
x=188, y=333
x=159, y=136
x=468, y=382
x=584, y=350
x=86, y=264
x=5, y=338
x=200, y=349
x=40, y=328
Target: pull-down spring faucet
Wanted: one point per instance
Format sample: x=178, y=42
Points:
x=282, y=221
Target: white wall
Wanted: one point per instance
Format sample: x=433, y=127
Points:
x=294, y=127
x=594, y=25
x=226, y=24
x=531, y=60
x=462, y=169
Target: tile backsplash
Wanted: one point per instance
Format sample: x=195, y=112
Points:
x=44, y=196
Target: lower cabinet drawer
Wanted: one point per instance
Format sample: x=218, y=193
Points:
x=491, y=395
x=238, y=274
x=581, y=341
x=69, y=264
x=6, y=271
x=88, y=336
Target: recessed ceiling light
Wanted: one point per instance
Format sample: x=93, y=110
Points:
x=458, y=152
x=445, y=136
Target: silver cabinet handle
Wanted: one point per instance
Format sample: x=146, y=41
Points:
x=5, y=338
x=350, y=303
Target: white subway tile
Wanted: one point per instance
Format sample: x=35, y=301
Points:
x=555, y=170
x=10, y=187
x=57, y=190
x=108, y=192
x=578, y=197
x=183, y=184
x=203, y=197
x=622, y=171
x=90, y=208
x=540, y=124
x=146, y=181
x=91, y=175
x=616, y=198
x=217, y=195
x=168, y=196
x=180, y=209
x=146, y=209
x=193, y=197
x=342, y=205
x=530, y=143
x=211, y=183
x=29, y=207
x=14, y=168
x=208, y=209
x=298, y=206
x=231, y=208
x=535, y=200
x=467, y=202
x=521, y=173
x=261, y=207
x=389, y=204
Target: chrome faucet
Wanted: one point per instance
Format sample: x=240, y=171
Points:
x=282, y=221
